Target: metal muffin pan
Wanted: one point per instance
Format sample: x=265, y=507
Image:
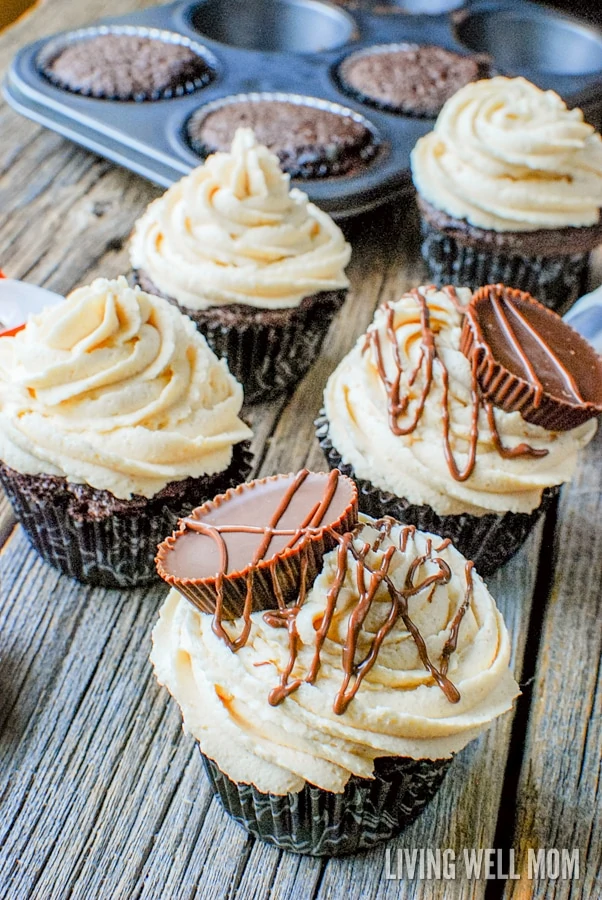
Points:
x=294, y=47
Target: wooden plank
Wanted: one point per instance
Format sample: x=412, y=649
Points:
x=559, y=798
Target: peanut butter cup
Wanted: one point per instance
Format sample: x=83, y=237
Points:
x=529, y=360
x=259, y=545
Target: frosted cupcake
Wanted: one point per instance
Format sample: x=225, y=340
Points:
x=259, y=269
x=115, y=420
x=328, y=723
x=468, y=441
x=510, y=188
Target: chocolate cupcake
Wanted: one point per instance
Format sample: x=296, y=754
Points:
x=259, y=269
x=328, y=721
x=412, y=79
x=115, y=420
x=419, y=426
x=311, y=138
x=126, y=65
x=510, y=187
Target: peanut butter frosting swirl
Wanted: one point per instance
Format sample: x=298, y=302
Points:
x=116, y=389
x=399, y=709
x=234, y=232
x=507, y=156
x=439, y=448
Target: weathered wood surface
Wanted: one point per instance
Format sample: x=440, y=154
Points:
x=101, y=794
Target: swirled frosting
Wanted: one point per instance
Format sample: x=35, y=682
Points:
x=414, y=465
x=116, y=389
x=507, y=156
x=399, y=710
x=233, y=232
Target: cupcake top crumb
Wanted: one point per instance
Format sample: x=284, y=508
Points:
x=118, y=66
x=309, y=141
x=415, y=79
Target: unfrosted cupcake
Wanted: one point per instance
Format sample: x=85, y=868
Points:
x=328, y=723
x=510, y=188
x=472, y=446
x=115, y=420
x=259, y=269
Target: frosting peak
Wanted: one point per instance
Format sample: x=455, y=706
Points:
x=234, y=232
x=116, y=388
x=507, y=156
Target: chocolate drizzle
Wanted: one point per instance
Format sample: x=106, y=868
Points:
x=428, y=358
x=368, y=578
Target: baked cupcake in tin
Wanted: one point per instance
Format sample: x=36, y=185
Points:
x=259, y=269
x=406, y=415
x=324, y=731
x=509, y=189
x=412, y=79
x=311, y=138
x=126, y=64
x=116, y=419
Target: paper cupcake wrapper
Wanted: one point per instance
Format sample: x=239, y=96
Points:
x=556, y=281
x=117, y=551
x=316, y=822
x=279, y=575
x=52, y=48
x=489, y=540
x=269, y=359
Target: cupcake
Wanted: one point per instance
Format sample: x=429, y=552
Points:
x=509, y=189
x=115, y=420
x=259, y=269
x=412, y=79
x=125, y=65
x=311, y=139
x=453, y=414
x=327, y=722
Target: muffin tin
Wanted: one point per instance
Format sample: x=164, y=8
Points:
x=293, y=47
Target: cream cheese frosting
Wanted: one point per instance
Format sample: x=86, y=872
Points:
x=414, y=465
x=234, y=232
x=116, y=389
x=507, y=156
x=398, y=710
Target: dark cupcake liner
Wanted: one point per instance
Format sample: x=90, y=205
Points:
x=267, y=354
x=489, y=540
x=316, y=822
x=117, y=550
x=53, y=48
x=556, y=281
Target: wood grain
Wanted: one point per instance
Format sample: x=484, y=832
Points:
x=102, y=795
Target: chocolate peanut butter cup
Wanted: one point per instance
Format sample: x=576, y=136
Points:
x=260, y=545
x=529, y=360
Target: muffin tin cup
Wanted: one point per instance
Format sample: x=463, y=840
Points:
x=489, y=540
x=267, y=357
x=53, y=48
x=117, y=551
x=556, y=281
x=308, y=165
x=317, y=822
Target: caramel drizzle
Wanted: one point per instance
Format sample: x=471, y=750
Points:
x=397, y=405
x=286, y=616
